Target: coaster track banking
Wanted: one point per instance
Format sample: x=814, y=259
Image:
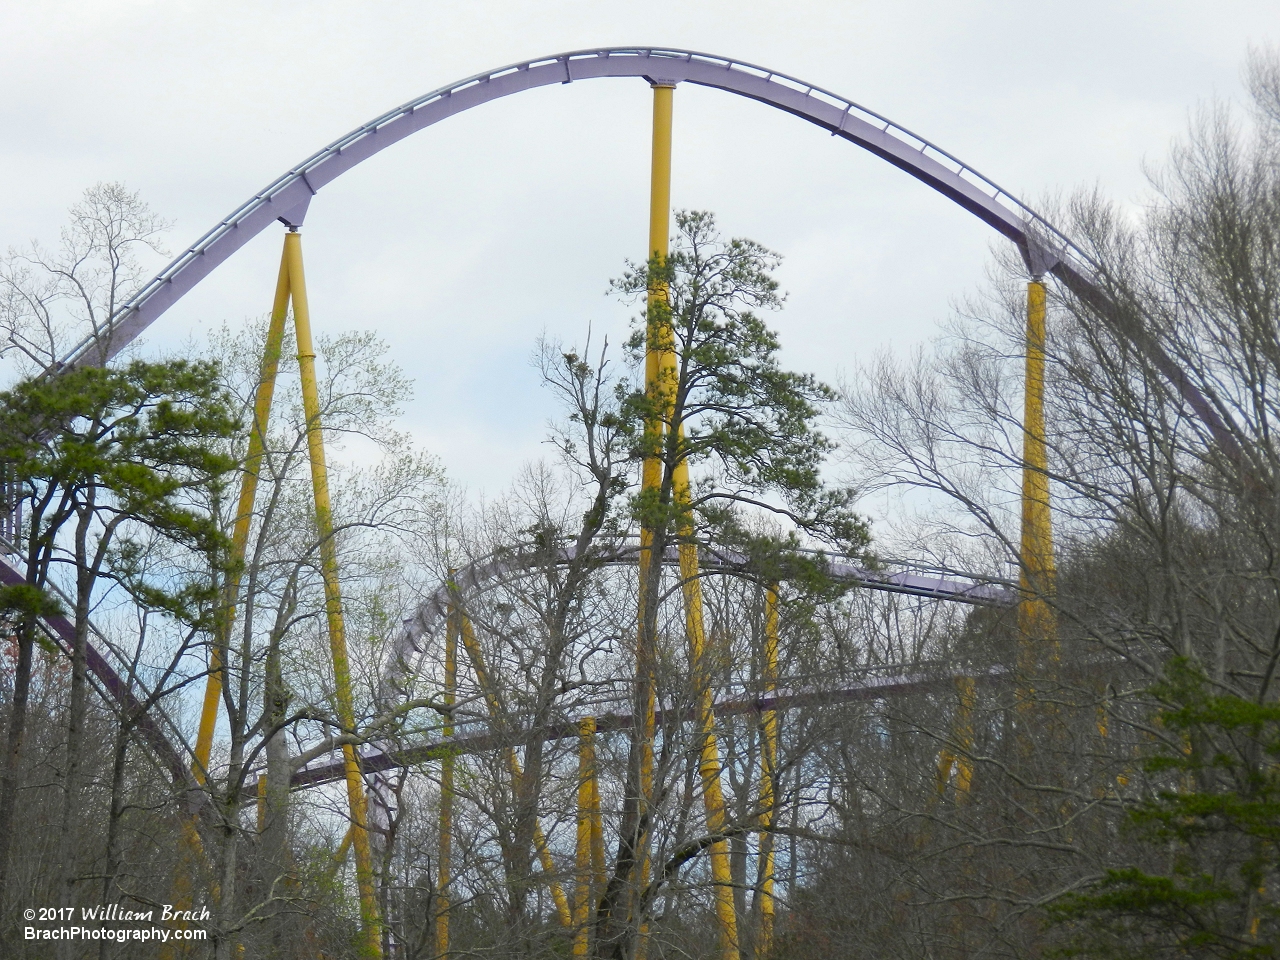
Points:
x=1043, y=247
x=409, y=650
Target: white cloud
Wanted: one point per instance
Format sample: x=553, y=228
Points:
x=464, y=243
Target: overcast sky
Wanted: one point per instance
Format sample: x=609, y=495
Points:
x=464, y=243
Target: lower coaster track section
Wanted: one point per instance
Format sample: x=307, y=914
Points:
x=164, y=739
x=156, y=729
x=487, y=717
x=410, y=650
x=876, y=686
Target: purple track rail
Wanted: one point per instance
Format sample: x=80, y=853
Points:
x=114, y=687
x=873, y=688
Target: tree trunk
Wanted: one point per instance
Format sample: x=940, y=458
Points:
x=618, y=917
x=76, y=713
x=37, y=566
x=121, y=753
x=224, y=948
x=275, y=866
x=13, y=755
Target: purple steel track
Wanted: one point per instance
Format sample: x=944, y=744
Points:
x=955, y=587
x=1043, y=246
x=409, y=648
x=63, y=633
x=287, y=197
x=873, y=688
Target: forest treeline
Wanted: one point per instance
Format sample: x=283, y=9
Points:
x=834, y=771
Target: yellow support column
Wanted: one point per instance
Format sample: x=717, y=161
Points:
x=946, y=764
x=370, y=921
x=193, y=847
x=661, y=373
x=444, y=866
x=582, y=847
x=962, y=733
x=344, y=847
x=659, y=366
x=709, y=754
x=1036, y=619
x=563, y=913
x=968, y=693
x=597, y=828
x=768, y=770
x=244, y=513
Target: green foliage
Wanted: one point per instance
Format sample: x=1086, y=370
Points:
x=143, y=431
x=21, y=603
x=20, y=600
x=1209, y=884
x=728, y=405
x=142, y=442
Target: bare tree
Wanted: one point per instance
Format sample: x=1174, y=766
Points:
x=277, y=690
x=53, y=298
x=1166, y=537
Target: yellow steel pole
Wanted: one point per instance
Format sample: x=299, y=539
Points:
x=967, y=691
x=370, y=921
x=244, y=513
x=340, y=855
x=599, y=878
x=193, y=847
x=660, y=370
x=563, y=913
x=659, y=365
x=445, y=861
x=344, y=847
x=1036, y=620
x=768, y=771
x=946, y=764
x=191, y=852
x=709, y=759
x=961, y=763
x=582, y=847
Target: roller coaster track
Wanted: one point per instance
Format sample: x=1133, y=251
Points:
x=872, y=688
x=156, y=729
x=165, y=740
x=1044, y=248
x=476, y=577
x=288, y=197
x=898, y=578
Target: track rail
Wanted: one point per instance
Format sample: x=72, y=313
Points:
x=410, y=649
x=873, y=688
x=287, y=197
x=475, y=577
x=1044, y=248
x=154, y=728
